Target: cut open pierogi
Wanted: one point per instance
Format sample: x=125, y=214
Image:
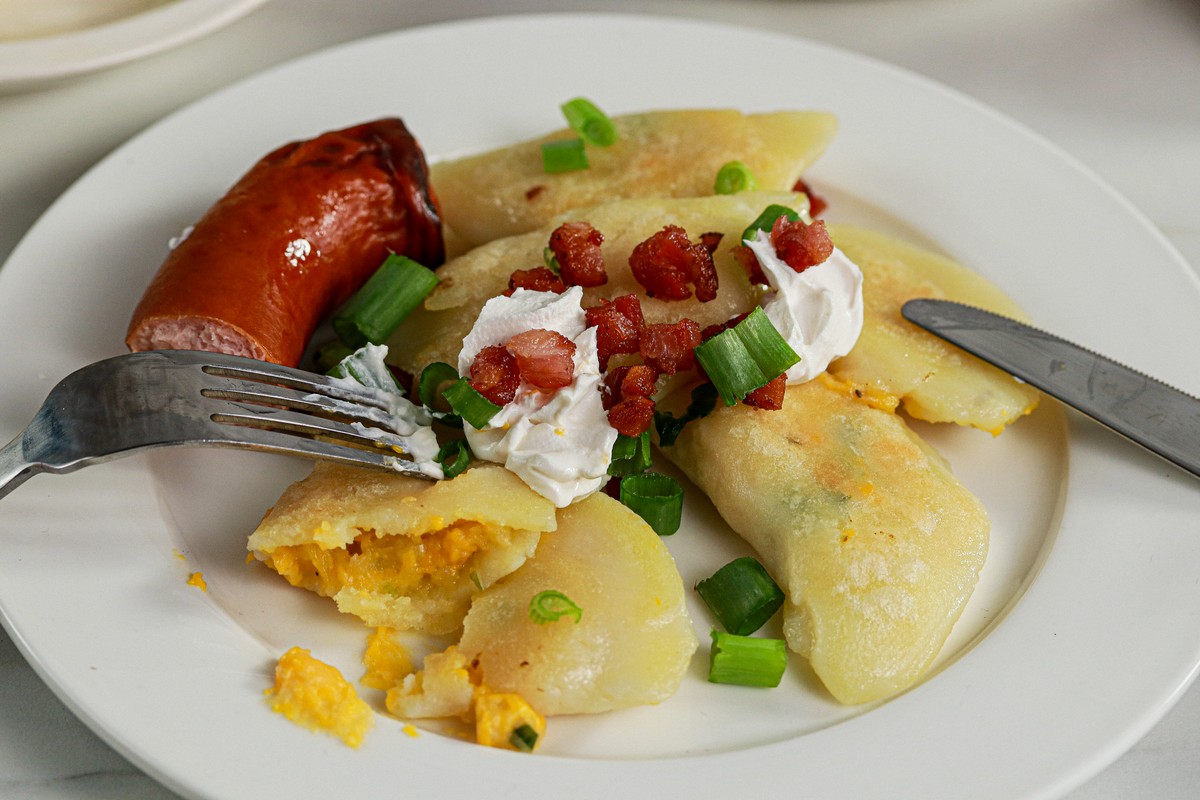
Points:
x=401, y=552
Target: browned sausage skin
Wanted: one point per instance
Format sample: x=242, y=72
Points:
x=290, y=242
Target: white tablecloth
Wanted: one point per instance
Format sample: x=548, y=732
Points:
x=1116, y=83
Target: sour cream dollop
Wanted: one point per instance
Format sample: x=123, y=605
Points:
x=407, y=426
x=559, y=443
x=819, y=311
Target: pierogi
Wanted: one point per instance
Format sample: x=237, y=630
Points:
x=630, y=645
x=875, y=542
x=657, y=154
x=895, y=363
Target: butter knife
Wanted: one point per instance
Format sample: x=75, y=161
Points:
x=1146, y=411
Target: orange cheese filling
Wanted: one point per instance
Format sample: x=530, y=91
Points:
x=390, y=565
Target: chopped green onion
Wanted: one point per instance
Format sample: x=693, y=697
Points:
x=630, y=454
x=366, y=367
x=429, y=384
x=524, y=738
x=746, y=660
x=552, y=605
x=470, y=404
x=551, y=260
x=704, y=400
x=734, y=177
x=656, y=498
x=748, y=355
x=383, y=302
x=454, y=457
x=564, y=155
x=474, y=576
x=741, y=595
x=329, y=354
x=592, y=124
x=766, y=219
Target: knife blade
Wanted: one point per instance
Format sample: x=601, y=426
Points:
x=1148, y=412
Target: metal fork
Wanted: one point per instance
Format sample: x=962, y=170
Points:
x=164, y=398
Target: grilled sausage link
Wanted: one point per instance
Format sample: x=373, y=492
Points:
x=290, y=242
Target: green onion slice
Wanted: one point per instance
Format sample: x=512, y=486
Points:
x=746, y=660
x=469, y=404
x=329, y=354
x=741, y=595
x=656, y=498
x=592, y=124
x=384, y=301
x=564, y=155
x=552, y=605
x=524, y=738
x=366, y=367
x=630, y=454
x=429, y=385
x=734, y=177
x=454, y=457
x=551, y=260
x=704, y=400
x=766, y=219
x=749, y=355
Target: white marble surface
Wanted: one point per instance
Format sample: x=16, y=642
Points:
x=1116, y=83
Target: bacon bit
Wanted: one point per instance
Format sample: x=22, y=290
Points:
x=768, y=396
x=667, y=262
x=635, y=380
x=801, y=245
x=711, y=241
x=576, y=245
x=538, y=279
x=668, y=346
x=626, y=396
x=545, y=359
x=632, y=416
x=745, y=257
x=638, y=381
x=612, y=489
x=618, y=325
x=404, y=379
x=494, y=374
x=816, y=203
x=721, y=327
x=610, y=387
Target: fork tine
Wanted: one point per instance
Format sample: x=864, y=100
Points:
x=274, y=375
x=238, y=391
x=230, y=412
x=272, y=441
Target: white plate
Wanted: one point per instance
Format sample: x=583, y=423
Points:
x=1083, y=630
x=24, y=62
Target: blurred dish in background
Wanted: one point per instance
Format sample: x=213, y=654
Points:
x=31, y=19
x=42, y=40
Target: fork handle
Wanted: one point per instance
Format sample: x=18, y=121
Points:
x=14, y=469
